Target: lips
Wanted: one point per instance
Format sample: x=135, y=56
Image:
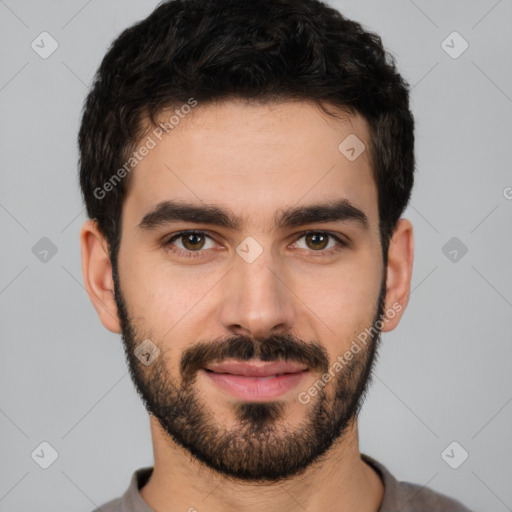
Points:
x=255, y=380
x=256, y=368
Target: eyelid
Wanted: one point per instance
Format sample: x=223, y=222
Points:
x=325, y=253
x=337, y=236
x=168, y=239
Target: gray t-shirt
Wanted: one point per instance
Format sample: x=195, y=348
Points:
x=398, y=496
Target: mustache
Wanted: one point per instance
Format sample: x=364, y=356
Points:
x=285, y=347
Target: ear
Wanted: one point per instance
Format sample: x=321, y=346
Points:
x=399, y=272
x=97, y=274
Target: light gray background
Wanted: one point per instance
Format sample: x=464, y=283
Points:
x=444, y=374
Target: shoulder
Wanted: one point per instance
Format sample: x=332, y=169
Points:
x=419, y=498
x=410, y=497
x=111, y=506
x=131, y=500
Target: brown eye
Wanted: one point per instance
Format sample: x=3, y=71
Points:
x=193, y=241
x=317, y=240
x=321, y=242
x=190, y=242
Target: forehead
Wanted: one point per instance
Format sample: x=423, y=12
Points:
x=254, y=160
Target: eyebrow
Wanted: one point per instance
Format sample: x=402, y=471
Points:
x=170, y=211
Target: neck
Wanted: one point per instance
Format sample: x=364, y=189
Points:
x=341, y=482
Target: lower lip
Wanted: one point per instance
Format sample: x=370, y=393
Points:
x=256, y=388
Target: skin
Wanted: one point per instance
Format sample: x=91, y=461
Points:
x=254, y=160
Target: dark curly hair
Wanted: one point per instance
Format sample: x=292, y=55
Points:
x=258, y=50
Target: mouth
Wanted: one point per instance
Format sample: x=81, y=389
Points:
x=255, y=380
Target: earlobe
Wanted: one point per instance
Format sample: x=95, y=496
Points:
x=399, y=273
x=97, y=274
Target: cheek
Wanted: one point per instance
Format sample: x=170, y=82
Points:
x=167, y=301
x=146, y=287
x=344, y=300
x=160, y=303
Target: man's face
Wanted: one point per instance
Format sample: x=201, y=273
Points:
x=253, y=291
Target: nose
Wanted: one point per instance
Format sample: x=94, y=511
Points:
x=257, y=298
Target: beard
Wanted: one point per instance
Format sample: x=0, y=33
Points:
x=260, y=447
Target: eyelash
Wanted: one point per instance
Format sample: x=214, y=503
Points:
x=200, y=253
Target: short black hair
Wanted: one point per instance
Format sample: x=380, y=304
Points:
x=257, y=50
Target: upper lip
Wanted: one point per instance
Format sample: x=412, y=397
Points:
x=256, y=368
